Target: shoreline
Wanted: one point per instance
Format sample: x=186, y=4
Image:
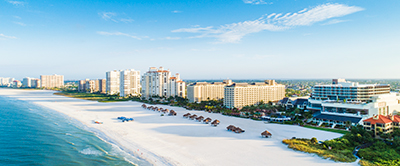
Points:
x=176, y=140
x=98, y=133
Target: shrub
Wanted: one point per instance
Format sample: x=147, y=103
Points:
x=314, y=140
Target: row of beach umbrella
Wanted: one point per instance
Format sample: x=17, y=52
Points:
x=159, y=109
x=201, y=119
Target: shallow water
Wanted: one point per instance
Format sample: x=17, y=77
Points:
x=33, y=135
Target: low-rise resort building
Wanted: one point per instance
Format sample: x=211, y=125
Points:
x=381, y=123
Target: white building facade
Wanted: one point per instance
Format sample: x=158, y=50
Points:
x=344, y=101
x=6, y=81
x=112, y=82
x=129, y=83
x=27, y=82
x=159, y=82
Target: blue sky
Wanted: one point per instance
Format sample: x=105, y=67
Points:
x=208, y=39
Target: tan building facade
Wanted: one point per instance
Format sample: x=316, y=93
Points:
x=203, y=91
x=92, y=86
x=52, y=81
x=82, y=85
x=35, y=83
x=239, y=95
x=102, y=85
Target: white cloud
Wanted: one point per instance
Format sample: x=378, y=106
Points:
x=111, y=16
x=231, y=33
x=2, y=36
x=256, y=2
x=172, y=38
x=16, y=3
x=126, y=20
x=20, y=23
x=117, y=34
x=334, y=21
x=176, y=11
x=17, y=17
x=108, y=16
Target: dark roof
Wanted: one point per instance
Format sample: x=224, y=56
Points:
x=337, y=118
x=284, y=100
x=300, y=101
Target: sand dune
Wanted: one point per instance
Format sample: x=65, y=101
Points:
x=174, y=140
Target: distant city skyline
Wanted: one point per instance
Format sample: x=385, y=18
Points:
x=237, y=39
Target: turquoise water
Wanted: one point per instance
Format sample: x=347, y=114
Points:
x=33, y=135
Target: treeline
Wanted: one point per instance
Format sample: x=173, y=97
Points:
x=372, y=151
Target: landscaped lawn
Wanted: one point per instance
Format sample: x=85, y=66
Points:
x=327, y=129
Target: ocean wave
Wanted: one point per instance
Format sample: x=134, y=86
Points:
x=90, y=151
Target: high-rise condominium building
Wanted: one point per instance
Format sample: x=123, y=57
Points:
x=92, y=86
x=52, y=81
x=112, y=82
x=123, y=82
x=239, y=95
x=176, y=87
x=35, y=83
x=203, y=91
x=129, y=83
x=27, y=82
x=17, y=84
x=82, y=85
x=102, y=85
x=6, y=81
x=159, y=82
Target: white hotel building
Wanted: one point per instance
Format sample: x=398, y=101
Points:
x=159, y=82
x=344, y=101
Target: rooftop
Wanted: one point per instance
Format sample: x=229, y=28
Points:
x=381, y=119
x=338, y=118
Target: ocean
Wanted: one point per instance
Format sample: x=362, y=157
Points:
x=34, y=135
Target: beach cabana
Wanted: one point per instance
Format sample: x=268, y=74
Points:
x=238, y=130
x=172, y=113
x=231, y=128
x=193, y=116
x=266, y=134
x=200, y=118
x=186, y=115
x=165, y=111
x=207, y=120
x=215, y=123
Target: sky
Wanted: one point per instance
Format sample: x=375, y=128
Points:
x=207, y=39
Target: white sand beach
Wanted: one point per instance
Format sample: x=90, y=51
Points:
x=174, y=140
